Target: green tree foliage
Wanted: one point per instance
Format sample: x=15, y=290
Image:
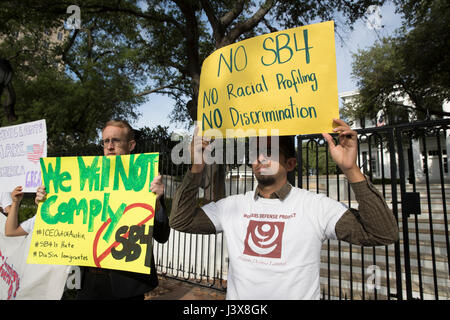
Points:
x=157, y=138
x=76, y=84
x=316, y=159
x=126, y=50
x=188, y=31
x=414, y=64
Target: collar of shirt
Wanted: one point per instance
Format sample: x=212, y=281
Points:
x=281, y=193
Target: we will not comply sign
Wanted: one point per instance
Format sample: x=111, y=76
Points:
x=98, y=212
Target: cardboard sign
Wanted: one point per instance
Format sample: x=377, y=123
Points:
x=22, y=281
x=21, y=147
x=98, y=212
x=284, y=80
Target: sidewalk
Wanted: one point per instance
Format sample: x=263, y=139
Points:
x=172, y=289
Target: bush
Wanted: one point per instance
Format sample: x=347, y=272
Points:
x=27, y=209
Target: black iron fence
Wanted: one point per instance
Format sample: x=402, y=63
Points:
x=407, y=163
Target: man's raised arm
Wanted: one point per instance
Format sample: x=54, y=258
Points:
x=373, y=223
x=186, y=215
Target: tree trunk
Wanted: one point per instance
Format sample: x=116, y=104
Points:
x=9, y=102
x=214, y=175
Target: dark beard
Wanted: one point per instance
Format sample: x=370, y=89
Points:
x=265, y=180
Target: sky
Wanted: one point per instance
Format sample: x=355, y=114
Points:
x=381, y=24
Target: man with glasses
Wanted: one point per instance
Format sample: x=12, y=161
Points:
x=274, y=234
x=118, y=139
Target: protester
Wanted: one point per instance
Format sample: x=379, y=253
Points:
x=274, y=234
x=5, y=202
x=106, y=284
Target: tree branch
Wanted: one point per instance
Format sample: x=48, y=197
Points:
x=216, y=24
x=102, y=54
x=18, y=53
x=9, y=102
x=152, y=17
x=155, y=90
x=90, y=42
x=66, y=50
x=69, y=44
x=229, y=17
x=248, y=24
x=269, y=26
x=192, y=43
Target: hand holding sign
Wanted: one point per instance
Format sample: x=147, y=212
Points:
x=41, y=194
x=17, y=194
x=344, y=154
x=157, y=187
x=198, y=145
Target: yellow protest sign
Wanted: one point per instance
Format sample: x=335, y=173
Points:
x=98, y=212
x=284, y=80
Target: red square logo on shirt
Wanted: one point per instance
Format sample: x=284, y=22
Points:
x=264, y=239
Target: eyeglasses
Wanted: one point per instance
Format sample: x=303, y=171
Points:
x=266, y=154
x=113, y=141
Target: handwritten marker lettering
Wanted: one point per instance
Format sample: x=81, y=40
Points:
x=284, y=80
x=84, y=217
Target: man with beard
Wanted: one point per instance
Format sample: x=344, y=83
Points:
x=274, y=234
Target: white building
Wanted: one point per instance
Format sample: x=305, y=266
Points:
x=414, y=153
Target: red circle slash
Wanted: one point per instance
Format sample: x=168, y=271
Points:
x=98, y=259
